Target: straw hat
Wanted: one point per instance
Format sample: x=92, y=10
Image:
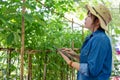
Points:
x=103, y=14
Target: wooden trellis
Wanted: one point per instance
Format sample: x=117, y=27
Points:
x=22, y=51
x=29, y=53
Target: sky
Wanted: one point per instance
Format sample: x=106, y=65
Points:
x=115, y=3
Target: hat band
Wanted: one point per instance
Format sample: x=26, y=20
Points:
x=100, y=15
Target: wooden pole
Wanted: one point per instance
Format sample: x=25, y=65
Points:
x=8, y=63
x=45, y=67
x=73, y=70
x=29, y=67
x=61, y=73
x=22, y=43
x=72, y=45
x=72, y=24
x=82, y=33
x=67, y=75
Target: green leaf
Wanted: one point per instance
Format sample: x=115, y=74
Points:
x=10, y=38
x=17, y=37
x=2, y=19
x=29, y=6
x=81, y=17
x=117, y=31
x=28, y=17
x=12, y=67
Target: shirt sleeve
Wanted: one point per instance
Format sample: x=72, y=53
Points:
x=84, y=69
x=97, y=56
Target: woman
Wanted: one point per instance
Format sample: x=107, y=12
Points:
x=95, y=58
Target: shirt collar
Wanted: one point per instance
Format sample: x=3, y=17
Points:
x=99, y=30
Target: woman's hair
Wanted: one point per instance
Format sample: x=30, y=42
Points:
x=95, y=19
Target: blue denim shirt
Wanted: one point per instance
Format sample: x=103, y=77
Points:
x=95, y=57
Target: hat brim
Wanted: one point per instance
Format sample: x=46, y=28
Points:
x=102, y=23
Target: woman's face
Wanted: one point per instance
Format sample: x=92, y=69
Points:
x=89, y=21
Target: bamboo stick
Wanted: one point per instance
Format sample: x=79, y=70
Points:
x=22, y=43
x=8, y=63
x=29, y=67
x=45, y=67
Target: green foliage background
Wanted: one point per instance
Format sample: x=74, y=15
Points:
x=45, y=27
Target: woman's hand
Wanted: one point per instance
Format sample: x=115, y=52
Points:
x=68, y=51
x=64, y=57
x=71, y=53
x=75, y=65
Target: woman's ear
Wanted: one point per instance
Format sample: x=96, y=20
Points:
x=97, y=22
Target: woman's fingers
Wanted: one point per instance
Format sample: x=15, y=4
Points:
x=67, y=50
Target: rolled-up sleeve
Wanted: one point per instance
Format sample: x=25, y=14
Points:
x=84, y=69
